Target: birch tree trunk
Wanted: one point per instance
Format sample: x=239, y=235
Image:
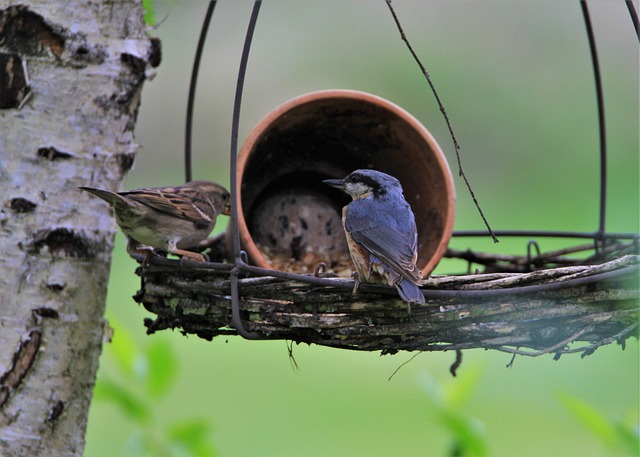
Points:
x=71, y=74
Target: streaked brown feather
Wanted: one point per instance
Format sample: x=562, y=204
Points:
x=172, y=201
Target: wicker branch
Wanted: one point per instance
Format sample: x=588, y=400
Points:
x=543, y=311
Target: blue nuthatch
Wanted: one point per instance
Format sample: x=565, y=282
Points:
x=381, y=232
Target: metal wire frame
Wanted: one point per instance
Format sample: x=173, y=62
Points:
x=192, y=90
x=347, y=284
x=600, y=235
x=240, y=257
x=634, y=16
x=240, y=264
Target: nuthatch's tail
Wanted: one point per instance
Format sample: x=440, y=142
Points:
x=410, y=292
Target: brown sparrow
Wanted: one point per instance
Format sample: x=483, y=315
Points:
x=168, y=218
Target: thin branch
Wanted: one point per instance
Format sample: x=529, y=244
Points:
x=604, y=341
x=446, y=118
x=456, y=364
x=548, y=350
x=560, y=257
x=403, y=364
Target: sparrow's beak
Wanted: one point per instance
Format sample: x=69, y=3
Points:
x=227, y=209
x=336, y=183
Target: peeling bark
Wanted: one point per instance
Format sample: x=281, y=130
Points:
x=69, y=95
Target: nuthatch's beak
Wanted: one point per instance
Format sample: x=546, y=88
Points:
x=336, y=183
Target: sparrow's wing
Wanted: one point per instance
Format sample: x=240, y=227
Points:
x=391, y=236
x=175, y=201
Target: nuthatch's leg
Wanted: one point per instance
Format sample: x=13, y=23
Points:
x=356, y=279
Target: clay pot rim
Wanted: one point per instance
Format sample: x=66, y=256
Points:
x=327, y=94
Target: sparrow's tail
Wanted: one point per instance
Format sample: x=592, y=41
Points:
x=410, y=292
x=107, y=196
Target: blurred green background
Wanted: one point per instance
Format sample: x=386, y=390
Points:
x=517, y=82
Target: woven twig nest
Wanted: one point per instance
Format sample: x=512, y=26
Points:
x=527, y=313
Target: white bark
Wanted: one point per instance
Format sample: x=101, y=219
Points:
x=86, y=62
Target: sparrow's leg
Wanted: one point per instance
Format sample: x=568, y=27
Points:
x=210, y=242
x=133, y=247
x=148, y=255
x=194, y=256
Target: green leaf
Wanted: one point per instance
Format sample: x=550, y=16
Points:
x=162, y=368
x=468, y=432
x=123, y=398
x=458, y=390
x=192, y=435
x=432, y=389
x=149, y=12
x=591, y=418
x=123, y=348
x=629, y=438
x=447, y=398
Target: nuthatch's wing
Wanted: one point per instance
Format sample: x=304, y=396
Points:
x=391, y=239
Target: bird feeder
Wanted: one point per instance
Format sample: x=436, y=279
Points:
x=285, y=212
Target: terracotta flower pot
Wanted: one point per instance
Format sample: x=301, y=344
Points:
x=285, y=209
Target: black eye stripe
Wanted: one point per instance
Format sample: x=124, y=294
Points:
x=366, y=180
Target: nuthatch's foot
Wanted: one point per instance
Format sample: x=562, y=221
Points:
x=356, y=280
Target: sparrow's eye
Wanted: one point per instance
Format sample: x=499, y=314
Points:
x=226, y=196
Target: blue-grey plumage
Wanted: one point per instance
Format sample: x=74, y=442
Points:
x=381, y=231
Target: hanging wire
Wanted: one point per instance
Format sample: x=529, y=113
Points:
x=634, y=17
x=192, y=91
x=601, y=122
x=600, y=235
x=238, y=255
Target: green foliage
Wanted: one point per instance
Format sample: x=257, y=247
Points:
x=448, y=401
x=617, y=436
x=162, y=367
x=141, y=379
x=129, y=403
x=149, y=12
x=191, y=438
